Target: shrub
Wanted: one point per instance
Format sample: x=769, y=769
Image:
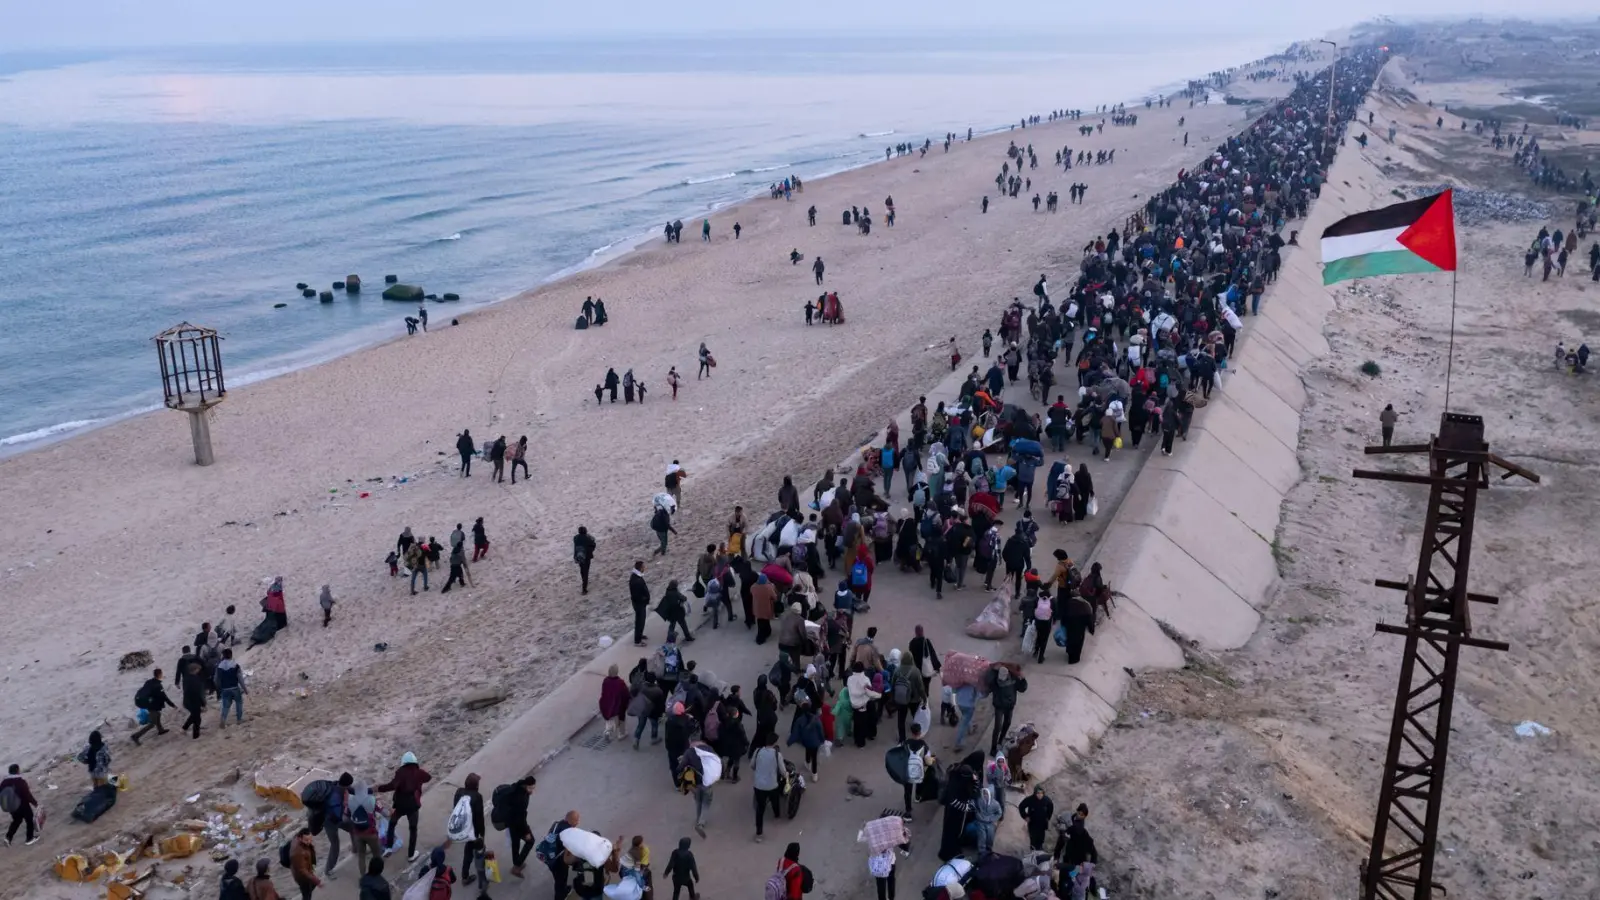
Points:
x=1371, y=369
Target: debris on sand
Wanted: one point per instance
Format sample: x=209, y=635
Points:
x=1475, y=207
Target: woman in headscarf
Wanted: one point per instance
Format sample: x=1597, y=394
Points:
x=923, y=656
x=766, y=704
x=732, y=741
x=614, y=704
x=851, y=538
x=1083, y=486
x=1052, y=488
x=960, y=803
x=792, y=633
x=97, y=757
x=273, y=605
x=905, y=550
x=763, y=600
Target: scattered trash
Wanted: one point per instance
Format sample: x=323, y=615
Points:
x=1477, y=207
x=138, y=659
x=1531, y=728
x=606, y=641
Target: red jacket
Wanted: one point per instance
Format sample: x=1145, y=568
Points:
x=407, y=786
x=792, y=877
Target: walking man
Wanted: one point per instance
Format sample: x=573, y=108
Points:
x=1386, y=420
x=152, y=698
x=639, y=594
x=817, y=268
x=17, y=799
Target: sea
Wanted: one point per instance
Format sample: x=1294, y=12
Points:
x=143, y=188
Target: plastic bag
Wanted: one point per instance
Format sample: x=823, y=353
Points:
x=626, y=889
x=922, y=718
x=994, y=622
x=826, y=749
x=586, y=845
x=491, y=868
x=1094, y=507
x=1028, y=634
x=1117, y=444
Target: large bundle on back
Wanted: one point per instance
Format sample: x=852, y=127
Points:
x=962, y=669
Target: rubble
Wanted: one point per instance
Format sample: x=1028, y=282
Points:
x=1475, y=207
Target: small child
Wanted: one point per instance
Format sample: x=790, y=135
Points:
x=811, y=309
x=638, y=388
x=393, y=559
x=682, y=870
x=225, y=629
x=599, y=391
x=327, y=605
x=947, y=707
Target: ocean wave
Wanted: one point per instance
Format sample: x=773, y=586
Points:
x=670, y=164
x=40, y=434
x=876, y=133
x=690, y=181
x=451, y=237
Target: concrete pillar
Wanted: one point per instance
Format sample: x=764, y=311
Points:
x=200, y=431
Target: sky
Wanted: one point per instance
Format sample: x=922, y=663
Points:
x=31, y=25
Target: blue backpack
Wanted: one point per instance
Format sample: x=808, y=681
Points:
x=858, y=575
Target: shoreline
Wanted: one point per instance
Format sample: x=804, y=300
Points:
x=366, y=338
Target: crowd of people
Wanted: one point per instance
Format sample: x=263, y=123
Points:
x=1145, y=325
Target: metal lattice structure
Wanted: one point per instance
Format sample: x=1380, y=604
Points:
x=191, y=366
x=1438, y=624
x=191, y=379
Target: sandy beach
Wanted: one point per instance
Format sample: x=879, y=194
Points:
x=124, y=545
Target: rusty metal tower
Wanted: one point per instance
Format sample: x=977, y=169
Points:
x=1438, y=624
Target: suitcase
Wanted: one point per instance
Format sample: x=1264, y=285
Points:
x=96, y=804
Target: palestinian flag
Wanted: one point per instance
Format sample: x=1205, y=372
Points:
x=1414, y=236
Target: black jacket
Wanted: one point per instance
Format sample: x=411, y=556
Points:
x=585, y=543
x=156, y=694
x=680, y=865
x=375, y=887
x=1036, y=811
x=464, y=444
x=194, y=688
x=638, y=591
x=1015, y=553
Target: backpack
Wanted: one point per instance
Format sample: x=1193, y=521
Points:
x=915, y=767
x=778, y=885
x=713, y=723
x=880, y=527
x=440, y=888
x=283, y=855
x=459, y=826
x=902, y=691
x=549, y=848
x=315, y=794
x=671, y=480
x=146, y=698
x=10, y=800
x=660, y=520
x=360, y=817
x=670, y=662
x=989, y=544
x=1041, y=610
x=858, y=575
x=807, y=880
x=844, y=601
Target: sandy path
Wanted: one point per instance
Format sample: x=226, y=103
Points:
x=122, y=544
x=1256, y=774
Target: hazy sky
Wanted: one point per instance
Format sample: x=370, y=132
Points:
x=43, y=24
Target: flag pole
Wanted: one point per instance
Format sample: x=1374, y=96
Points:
x=1449, y=363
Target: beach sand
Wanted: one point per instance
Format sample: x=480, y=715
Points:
x=1256, y=773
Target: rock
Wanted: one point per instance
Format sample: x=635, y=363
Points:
x=433, y=297
x=308, y=292
x=483, y=698
x=138, y=659
x=338, y=285
x=279, y=305
x=301, y=286
x=352, y=283
x=390, y=279
x=451, y=298
x=406, y=292
x=326, y=296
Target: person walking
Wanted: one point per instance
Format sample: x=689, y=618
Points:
x=473, y=862
x=17, y=799
x=458, y=567
x=261, y=887
x=614, y=696
x=362, y=819
x=639, y=595
x=497, y=458
x=231, y=887
x=661, y=524
x=986, y=814
x=406, y=785
x=806, y=730
x=417, y=561
x=332, y=817
x=916, y=771
x=325, y=600
x=909, y=692
x=480, y=540
x=518, y=454
x=583, y=547
x=514, y=810
x=817, y=268
x=705, y=230
x=682, y=870
x=465, y=447
x=1004, y=681
x=1386, y=420
x=648, y=704
x=674, y=609
x=152, y=698
x=767, y=775
x=793, y=873
x=195, y=690
x=303, y=863
x=881, y=867
x=373, y=885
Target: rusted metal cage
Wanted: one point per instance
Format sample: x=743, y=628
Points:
x=191, y=367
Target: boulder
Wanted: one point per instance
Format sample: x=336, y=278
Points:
x=279, y=305
x=390, y=279
x=308, y=292
x=326, y=296
x=451, y=298
x=434, y=297
x=352, y=283
x=406, y=292
x=338, y=285
x=301, y=286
